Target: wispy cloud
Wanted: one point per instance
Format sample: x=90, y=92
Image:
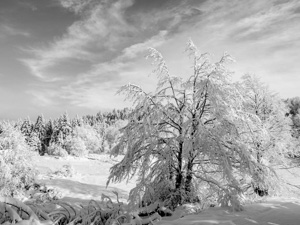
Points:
x=99, y=29
x=76, y=6
x=105, y=38
x=264, y=23
x=7, y=31
x=28, y=4
x=111, y=36
x=105, y=29
x=262, y=35
x=43, y=98
x=104, y=79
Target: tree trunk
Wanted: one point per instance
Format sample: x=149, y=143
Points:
x=179, y=176
x=188, y=181
x=189, y=177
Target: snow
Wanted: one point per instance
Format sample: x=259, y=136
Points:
x=89, y=182
x=275, y=211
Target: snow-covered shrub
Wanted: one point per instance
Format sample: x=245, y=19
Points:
x=56, y=150
x=90, y=137
x=112, y=134
x=15, y=170
x=65, y=171
x=75, y=146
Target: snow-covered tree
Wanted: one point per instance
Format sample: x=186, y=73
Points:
x=15, y=170
x=26, y=129
x=88, y=134
x=76, y=122
x=271, y=111
x=294, y=112
x=187, y=131
x=62, y=130
x=49, y=129
x=38, y=133
x=273, y=142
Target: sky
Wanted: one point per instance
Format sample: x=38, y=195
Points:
x=72, y=56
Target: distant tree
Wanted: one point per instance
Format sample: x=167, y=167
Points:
x=62, y=130
x=294, y=106
x=90, y=119
x=294, y=112
x=75, y=146
x=49, y=130
x=64, y=125
x=39, y=126
x=100, y=117
x=34, y=142
x=271, y=111
x=101, y=129
x=39, y=132
x=76, y=122
x=272, y=143
x=186, y=132
x=26, y=129
x=112, y=133
x=91, y=139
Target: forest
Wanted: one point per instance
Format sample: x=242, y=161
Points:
x=199, y=138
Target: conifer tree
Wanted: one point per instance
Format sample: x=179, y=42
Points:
x=76, y=122
x=26, y=129
x=62, y=129
x=39, y=133
x=49, y=130
x=294, y=112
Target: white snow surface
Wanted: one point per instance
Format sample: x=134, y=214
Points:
x=89, y=182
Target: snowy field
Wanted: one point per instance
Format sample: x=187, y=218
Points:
x=89, y=182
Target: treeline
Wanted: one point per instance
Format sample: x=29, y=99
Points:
x=96, y=133
x=75, y=136
x=294, y=113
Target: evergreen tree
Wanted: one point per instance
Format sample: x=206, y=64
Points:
x=35, y=142
x=26, y=129
x=294, y=112
x=39, y=132
x=62, y=130
x=76, y=122
x=49, y=130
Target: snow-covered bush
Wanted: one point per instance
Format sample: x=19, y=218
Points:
x=90, y=137
x=75, y=146
x=66, y=171
x=56, y=150
x=112, y=134
x=15, y=170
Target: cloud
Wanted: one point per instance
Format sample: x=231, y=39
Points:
x=76, y=6
x=103, y=79
x=43, y=98
x=110, y=39
x=7, y=31
x=105, y=29
x=133, y=50
x=105, y=39
x=99, y=30
x=28, y=5
x=264, y=23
